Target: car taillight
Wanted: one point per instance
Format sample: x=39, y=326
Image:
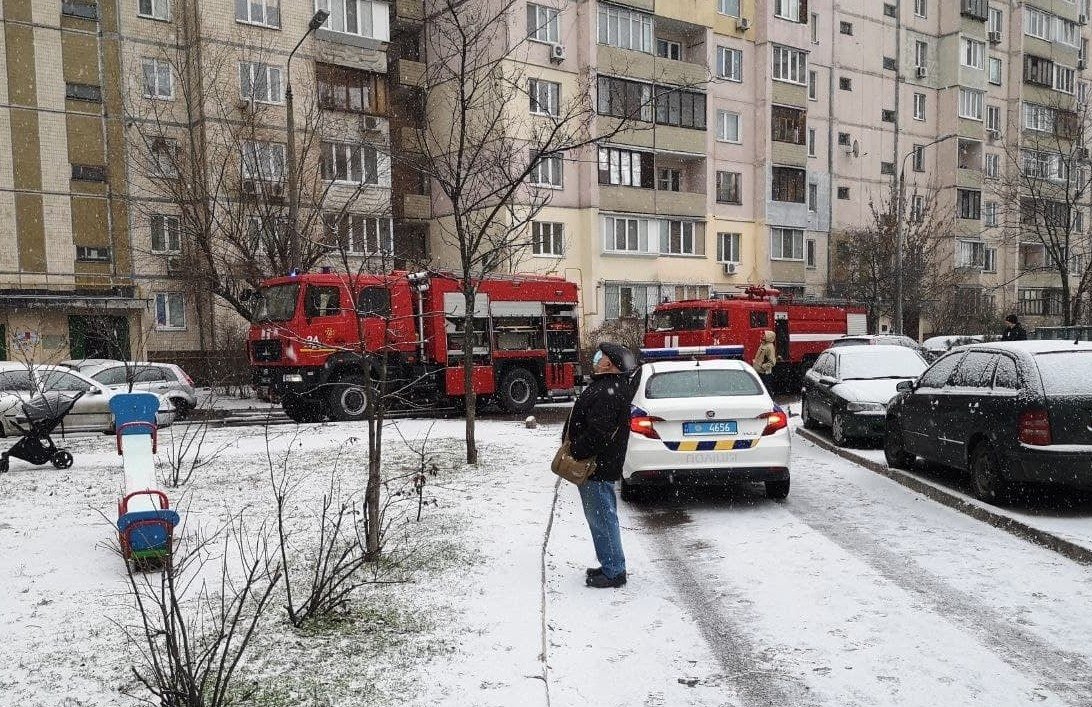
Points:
x=644, y=425
x=1033, y=427
x=775, y=420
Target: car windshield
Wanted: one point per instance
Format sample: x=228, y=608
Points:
x=701, y=383
x=848, y=342
x=278, y=303
x=686, y=319
x=1066, y=372
x=871, y=363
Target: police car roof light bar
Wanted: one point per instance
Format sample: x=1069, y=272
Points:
x=680, y=352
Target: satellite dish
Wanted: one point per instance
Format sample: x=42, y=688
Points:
x=856, y=149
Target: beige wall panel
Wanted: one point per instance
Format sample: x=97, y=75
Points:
x=29, y=228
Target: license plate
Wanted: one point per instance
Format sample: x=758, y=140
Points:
x=722, y=427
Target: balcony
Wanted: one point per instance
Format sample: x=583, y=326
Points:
x=409, y=73
x=409, y=11
x=414, y=207
x=638, y=65
x=651, y=201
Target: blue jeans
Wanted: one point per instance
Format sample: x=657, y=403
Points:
x=601, y=510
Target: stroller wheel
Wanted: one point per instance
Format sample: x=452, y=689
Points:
x=62, y=459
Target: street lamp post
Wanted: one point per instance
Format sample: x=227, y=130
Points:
x=290, y=151
x=900, y=231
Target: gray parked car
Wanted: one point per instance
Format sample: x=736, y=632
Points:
x=164, y=379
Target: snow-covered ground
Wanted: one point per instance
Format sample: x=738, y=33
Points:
x=854, y=591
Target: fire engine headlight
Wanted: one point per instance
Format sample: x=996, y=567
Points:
x=865, y=407
x=292, y=378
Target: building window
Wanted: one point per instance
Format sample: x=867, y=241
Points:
x=1037, y=165
x=970, y=104
x=1063, y=79
x=788, y=9
x=1038, y=118
x=917, y=208
x=729, y=187
x=730, y=63
x=970, y=254
x=548, y=238
x=625, y=235
x=1066, y=32
x=993, y=73
x=843, y=193
x=346, y=162
x=813, y=197
x=354, y=17
x=919, y=106
x=813, y=79
x=728, y=247
x=624, y=28
x=157, y=79
x=170, y=310
x=154, y=9
x=728, y=7
x=349, y=90
x=260, y=82
x=93, y=254
x=545, y=96
x=846, y=28
x=1038, y=71
x=993, y=118
x=787, y=125
x=83, y=92
x=921, y=54
x=88, y=173
x=989, y=260
x=918, y=160
x=889, y=63
x=971, y=53
x=359, y=234
x=166, y=234
x=1040, y=302
x=685, y=109
x=624, y=99
x=920, y=8
x=887, y=168
x=845, y=83
x=996, y=21
x=811, y=142
x=989, y=213
x=809, y=253
x=815, y=28
x=844, y=140
x=667, y=49
x=84, y=9
x=258, y=12
x=790, y=65
x=627, y=168
x=887, y=116
x=263, y=160
x=728, y=126
x=265, y=234
x=668, y=179
x=681, y=238
x=890, y=10
x=993, y=165
x=788, y=184
x=969, y=204
x=786, y=244
x=548, y=172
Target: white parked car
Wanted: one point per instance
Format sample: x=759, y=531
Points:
x=91, y=412
x=705, y=423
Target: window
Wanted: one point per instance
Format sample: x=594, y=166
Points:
x=811, y=142
x=668, y=179
x=728, y=127
x=260, y=82
x=993, y=165
x=157, y=79
x=787, y=9
x=970, y=104
x=844, y=140
x=1038, y=118
x=346, y=162
x=993, y=118
x=989, y=260
x=359, y=234
x=788, y=184
x=890, y=10
x=809, y=253
x=545, y=96
x=993, y=73
x=93, y=254
x=624, y=99
x=627, y=168
x=730, y=63
x=790, y=65
x=996, y=22
x=355, y=17
x=625, y=234
x=813, y=79
x=350, y=90
x=682, y=238
x=887, y=116
x=786, y=244
x=542, y=24
x=263, y=160
x=815, y=28
x=548, y=171
x=685, y=109
x=170, y=310
x=1006, y=376
x=843, y=193
x=258, y=12
x=1032, y=256
x=970, y=254
x=80, y=8
x=971, y=52
x=265, y=234
x=1063, y=79
x=548, y=238
x=846, y=28
x=89, y=173
x=920, y=8
x=921, y=54
x=845, y=83
x=889, y=63
x=813, y=197
x=969, y=204
x=1038, y=71
x=1040, y=301
x=164, y=154
x=1066, y=32
x=917, y=208
x=787, y=125
x=989, y=213
x=83, y=92
x=154, y=9
x=166, y=234
x=919, y=106
x=624, y=28
x=1036, y=23
x=667, y=49
x=728, y=7
x=918, y=160
x=729, y=187
x=728, y=247
x=1037, y=165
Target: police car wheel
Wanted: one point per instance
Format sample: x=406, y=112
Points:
x=518, y=391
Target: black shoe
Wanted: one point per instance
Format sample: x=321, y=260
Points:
x=592, y=571
x=602, y=581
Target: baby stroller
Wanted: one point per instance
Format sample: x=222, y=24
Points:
x=43, y=413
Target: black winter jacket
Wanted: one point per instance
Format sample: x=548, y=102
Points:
x=599, y=426
x=1016, y=333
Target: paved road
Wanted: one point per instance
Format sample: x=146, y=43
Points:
x=857, y=591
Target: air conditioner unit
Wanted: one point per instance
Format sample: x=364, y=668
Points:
x=995, y=37
x=743, y=24
x=921, y=72
x=730, y=268
x=557, y=53
x=1082, y=19
x=993, y=134
x=174, y=264
x=371, y=123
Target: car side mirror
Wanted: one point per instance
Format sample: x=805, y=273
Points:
x=905, y=386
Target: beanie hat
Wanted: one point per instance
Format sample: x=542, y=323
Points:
x=1011, y=319
x=622, y=358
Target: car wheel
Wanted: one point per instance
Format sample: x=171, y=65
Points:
x=987, y=477
x=838, y=430
x=349, y=399
x=894, y=451
x=182, y=408
x=518, y=391
x=777, y=490
x=809, y=421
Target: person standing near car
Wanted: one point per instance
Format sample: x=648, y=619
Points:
x=766, y=358
x=599, y=428
x=1014, y=330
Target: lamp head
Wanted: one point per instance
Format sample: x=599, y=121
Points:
x=318, y=20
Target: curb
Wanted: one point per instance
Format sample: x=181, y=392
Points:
x=1042, y=538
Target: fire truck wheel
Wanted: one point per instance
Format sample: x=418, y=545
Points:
x=349, y=399
x=518, y=391
x=300, y=409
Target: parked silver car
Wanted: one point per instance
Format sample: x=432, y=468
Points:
x=164, y=379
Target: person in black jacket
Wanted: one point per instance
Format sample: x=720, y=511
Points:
x=1014, y=331
x=599, y=427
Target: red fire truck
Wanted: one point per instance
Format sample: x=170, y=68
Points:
x=317, y=337
x=803, y=328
